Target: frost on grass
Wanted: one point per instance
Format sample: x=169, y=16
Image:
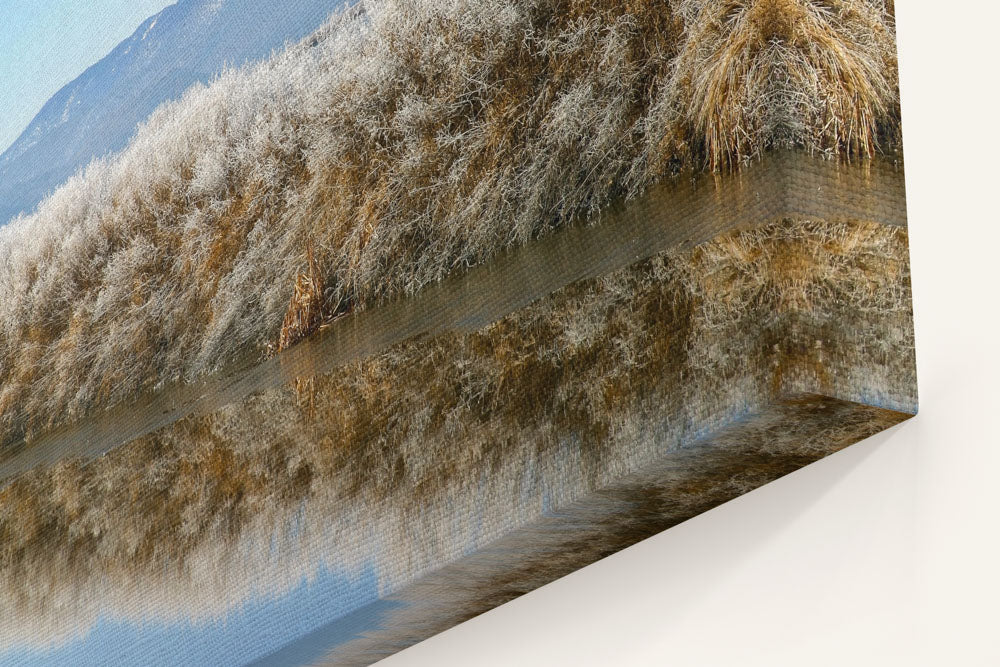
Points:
x=403, y=141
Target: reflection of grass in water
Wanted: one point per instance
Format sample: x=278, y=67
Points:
x=565, y=396
x=419, y=137
x=673, y=489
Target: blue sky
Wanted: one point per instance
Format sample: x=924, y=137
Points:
x=45, y=44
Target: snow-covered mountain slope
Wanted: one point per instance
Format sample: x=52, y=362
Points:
x=96, y=114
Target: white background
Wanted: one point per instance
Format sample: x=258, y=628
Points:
x=884, y=554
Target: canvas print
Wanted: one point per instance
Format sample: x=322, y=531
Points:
x=326, y=326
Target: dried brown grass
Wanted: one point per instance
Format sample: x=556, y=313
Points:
x=307, y=309
x=407, y=142
x=757, y=72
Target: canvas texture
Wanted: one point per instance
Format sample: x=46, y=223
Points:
x=378, y=315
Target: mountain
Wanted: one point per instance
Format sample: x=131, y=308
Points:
x=97, y=113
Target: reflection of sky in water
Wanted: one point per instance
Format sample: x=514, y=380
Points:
x=313, y=646
x=259, y=628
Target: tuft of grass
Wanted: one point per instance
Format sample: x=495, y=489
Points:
x=758, y=72
x=307, y=308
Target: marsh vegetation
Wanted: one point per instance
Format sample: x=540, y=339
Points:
x=401, y=142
